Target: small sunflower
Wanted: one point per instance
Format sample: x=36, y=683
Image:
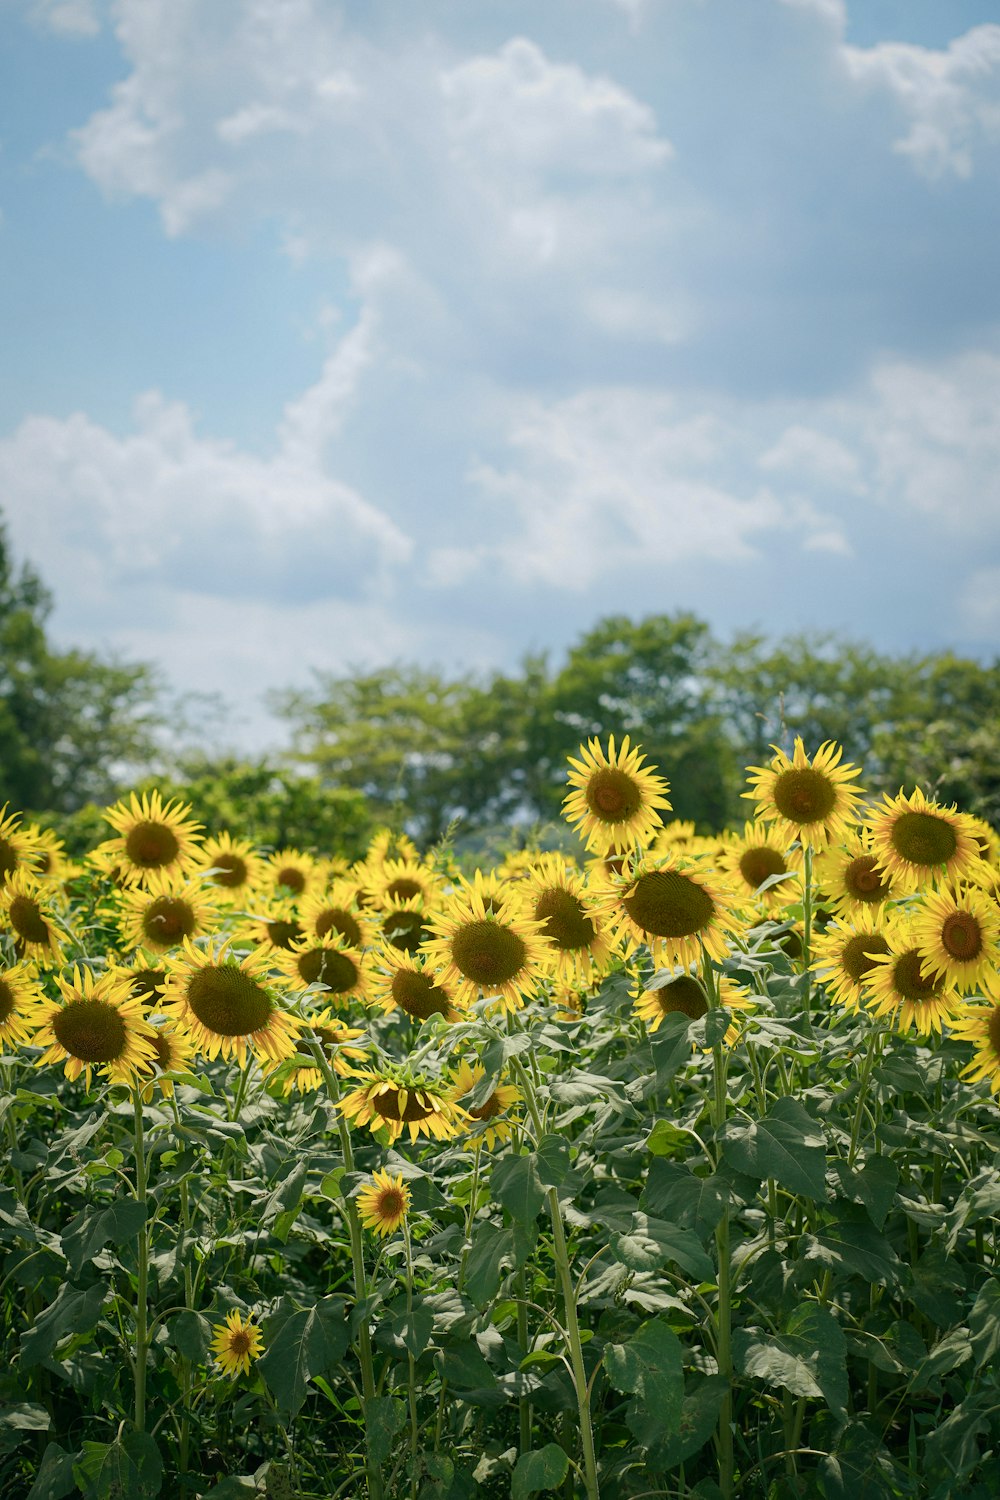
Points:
x=683, y=993
x=236, y=1343
x=401, y=880
x=338, y=1041
x=98, y=1023
x=496, y=950
x=383, y=1205
x=164, y=910
x=844, y=955
x=26, y=909
x=615, y=799
x=20, y=995
x=851, y=876
x=147, y=977
x=226, y=1005
x=336, y=911
x=343, y=973
x=16, y=844
x=676, y=833
x=493, y=1114
x=918, y=842
x=291, y=873
x=405, y=925
x=386, y=845
x=674, y=907
x=174, y=1054
x=980, y=1024
x=274, y=928
x=808, y=800
x=402, y=982
x=232, y=865
x=48, y=854
x=152, y=836
x=579, y=947
x=399, y=1100
x=756, y=856
x=902, y=989
x=987, y=838
x=958, y=934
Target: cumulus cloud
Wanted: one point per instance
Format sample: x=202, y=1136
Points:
x=80, y=18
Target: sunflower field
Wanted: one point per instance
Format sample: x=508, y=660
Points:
x=668, y=1170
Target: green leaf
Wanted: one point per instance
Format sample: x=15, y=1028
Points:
x=670, y=1046
x=302, y=1342
x=54, y=1479
x=808, y=1358
x=128, y=1469
x=464, y=1367
x=667, y=1139
x=385, y=1418
x=552, y=1156
x=543, y=1469
x=861, y=1469
x=677, y=1195
x=984, y=1324
x=190, y=1333
x=649, y=1366
x=90, y=1231
x=412, y=1330
x=860, y=1249
x=874, y=1186
x=651, y=1243
x=717, y=1023
x=492, y=1247
x=74, y=1311
x=787, y=1144
x=516, y=1185
x=698, y=1421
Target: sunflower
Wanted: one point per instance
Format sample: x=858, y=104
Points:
x=987, y=838
x=225, y=1004
x=26, y=910
x=844, y=955
x=232, y=865
x=673, y=906
x=336, y=911
x=958, y=934
x=20, y=995
x=492, y=1113
x=387, y=845
x=383, y=1205
x=290, y=873
x=343, y=973
x=404, y=925
x=496, y=951
x=808, y=800
x=338, y=1041
x=675, y=834
x=16, y=844
x=918, y=842
x=47, y=857
x=980, y=1024
x=236, y=1343
x=902, y=988
x=683, y=993
x=147, y=977
x=275, y=928
x=614, y=801
x=579, y=947
x=98, y=1023
x=165, y=910
x=398, y=1100
x=758, y=855
x=402, y=880
x=152, y=835
x=402, y=982
x=851, y=876
x=174, y=1054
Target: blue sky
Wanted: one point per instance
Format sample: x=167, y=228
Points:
x=343, y=334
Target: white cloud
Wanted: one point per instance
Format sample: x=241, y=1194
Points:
x=812, y=456
x=79, y=18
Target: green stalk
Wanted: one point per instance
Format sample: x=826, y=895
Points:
x=372, y=1469
x=411, y=1367
x=142, y=1293
x=185, y=1364
x=724, y=1310
x=871, y=1056
x=807, y=924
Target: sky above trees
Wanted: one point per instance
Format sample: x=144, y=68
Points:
x=343, y=334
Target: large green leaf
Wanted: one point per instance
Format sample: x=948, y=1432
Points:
x=301, y=1343
x=698, y=1421
x=984, y=1324
x=652, y=1242
x=385, y=1419
x=542, y=1469
x=516, y=1185
x=874, y=1186
x=74, y=1311
x=130, y=1468
x=650, y=1367
x=54, y=1479
x=787, y=1144
x=87, y=1234
x=674, y=1193
x=808, y=1358
x=491, y=1249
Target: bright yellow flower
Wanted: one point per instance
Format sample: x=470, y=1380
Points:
x=903, y=990
x=164, y=910
x=384, y=1203
x=756, y=856
x=674, y=907
x=851, y=878
x=920, y=843
x=844, y=955
x=615, y=799
x=20, y=995
x=290, y=873
x=152, y=836
x=958, y=934
x=334, y=912
x=236, y=1343
x=980, y=1024
x=98, y=1023
x=343, y=973
x=578, y=945
x=492, y=1115
x=683, y=993
x=226, y=1005
x=233, y=866
x=16, y=844
x=402, y=982
x=808, y=800
x=484, y=944
x=399, y=1101
x=26, y=910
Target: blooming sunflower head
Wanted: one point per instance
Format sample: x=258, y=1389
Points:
x=615, y=800
x=980, y=1024
x=851, y=876
x=151, y=836
x=673, y=906
x=47, y=857
x=399, y=1101
x=958, y=934
x=16, y=844
x=274, y=927
x=404, y=925
x=290, y=873
x=757, y=857
x=231, y=865
x=343, y=974
x=339, y=1044
x=236, y=1343
x=844, y=955
x=226, y=1006
x=20, y=997
x=26, y=910
x=383, y=1204
x=334, y=912
x=901, y=988
x=808, y=800
x=403, y=983
x=486, y=944
x=402, y=880
x=681, y=992
x=174, y=1053
x=147, y=976
x=919, y=843
x=490, y=1118
x=97, y=1023
x=164, y=910
x=575, y=935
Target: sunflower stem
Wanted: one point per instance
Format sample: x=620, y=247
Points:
x=724, y=1310
x=372, y=1469
x=873, y=1052
x=807, y=926
x=411, y=1366
x=142, y=1291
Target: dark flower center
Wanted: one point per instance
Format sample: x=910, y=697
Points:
x=489, y=1109
x=668, y=904
x=168, y=919
x=855, y=957
x=962, y=936
x=390, y=1203
x=759, y=863
x=27, y=920
x=404, y=930
x=923, y=839
x=911, y=980
x=415, y=1108
x=283, y=934
x=326, y=966
x=993, y=1031
x=148, y=983
x=239, y=1344
x=418, y=995
x=336, y=919
x=92, y=1031
x=685, y=995
x=151, y=844
x=488, y=953
x=403, y=889
x=9, y=859
x=566, y=921
x=804, y=795
x=292, y=878
x=612, y=795
x=8, y=1001
x=227, y=1001
x=864, y=880
x=230, y=870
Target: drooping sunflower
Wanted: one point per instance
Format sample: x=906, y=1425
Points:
x=844, y=955
x=492, y=1121
x=615, y=798
x=15, y=844
x=344, y=973
x=920, y=843
x=27, y=911
x=20, y=996
x=98, y=1023
x=958, y=934
x=398, y=1100
x=232, y=865
x=226, y=1005
x=673, y=906
x=808, y=800
x=578, y=944
x=683, y=993
x=152, y=836
x=851, y=876
x=339, y=1044
x=384, y=1203
x=496, y=951
x=901, y=988
x=759, y=855
x=335, y=910
x=402, y=982
x=236, y=1343
x=164, y=910
x=290, y=873
x=980, y=1024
